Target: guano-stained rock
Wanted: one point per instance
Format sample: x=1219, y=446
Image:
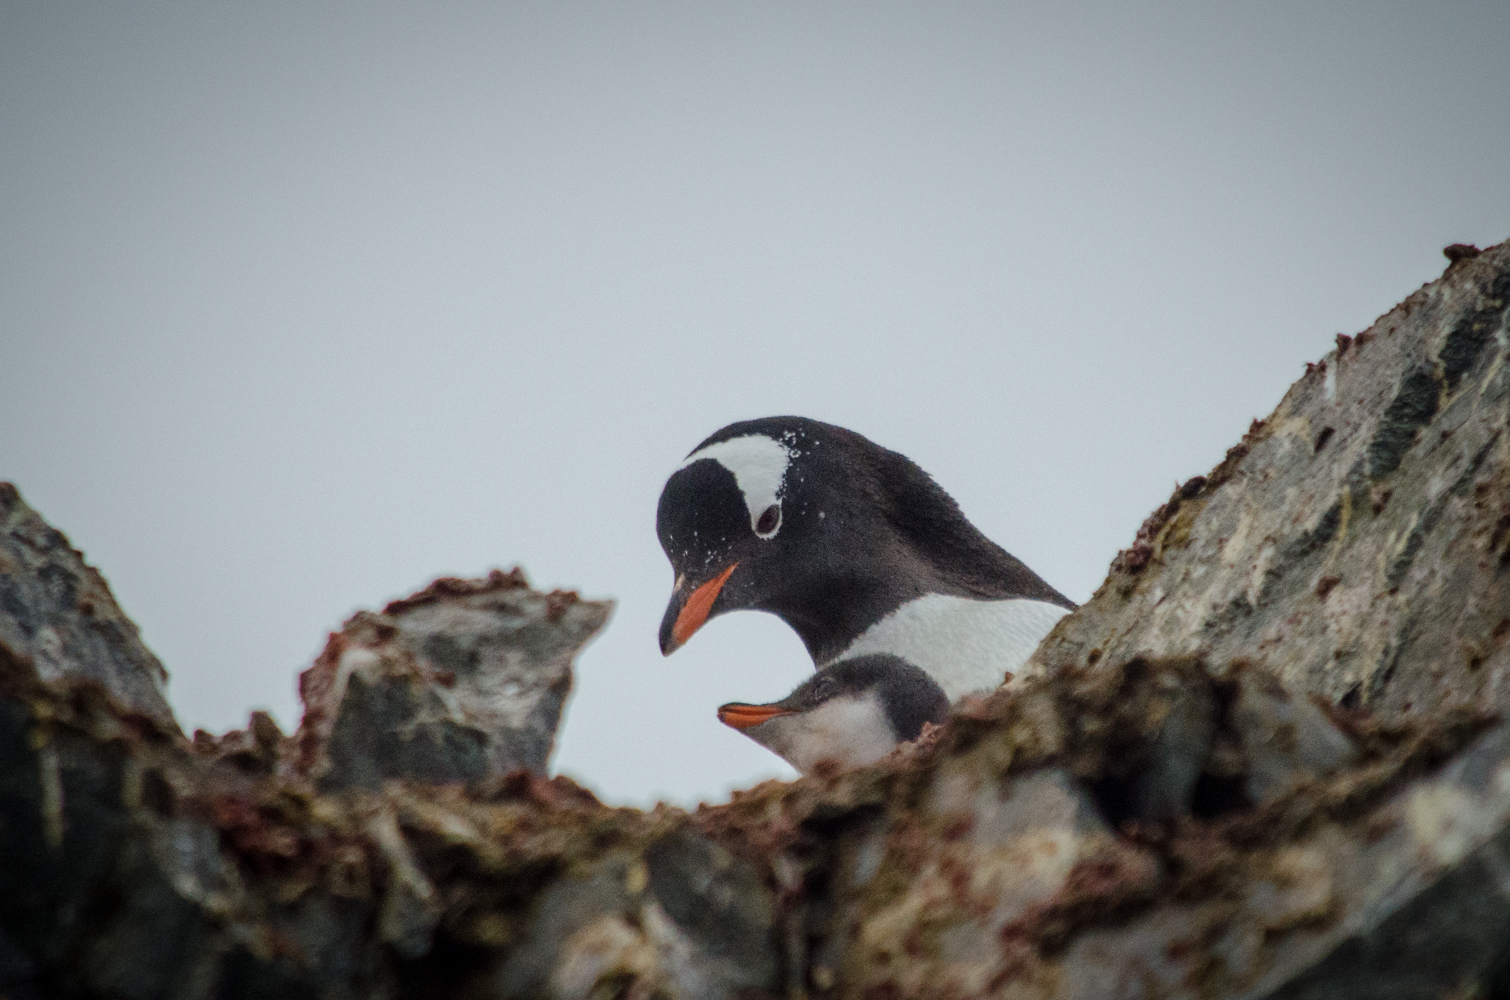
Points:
x=683, y=920
x=1268, y=759
x=57, y=612
x=1356, y=542
x=463, y=681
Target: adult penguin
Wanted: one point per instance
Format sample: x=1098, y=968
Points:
x=853, y=546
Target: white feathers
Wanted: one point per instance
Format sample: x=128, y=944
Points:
x=850, y=730
x=759, y=465
x=967, y=646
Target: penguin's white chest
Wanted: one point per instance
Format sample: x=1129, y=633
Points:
x=967, y=646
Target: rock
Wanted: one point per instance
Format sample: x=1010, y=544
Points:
x=683, y=919
x=410, y=908
x=463, y=681
x=259, y=748
x=134, y=865
x=57, y=612
x=1162, y=781
x=1284, y=739
x=101, y=898
x=1354, y=543
x=988, y=867
x=1408, y=901
x=1266, y=760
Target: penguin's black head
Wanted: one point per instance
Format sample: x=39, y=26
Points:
x=742, y=522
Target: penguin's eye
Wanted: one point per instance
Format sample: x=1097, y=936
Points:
x=769, y=521
x=822, y=688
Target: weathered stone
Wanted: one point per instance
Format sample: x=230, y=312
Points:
x=461, y=682
x=135, y=864
x=1355, y=543
x=410, y=908
x=1162, y=784
x=57, y=612
x=982, y=862
x=1157, y=808
x=1284, y=739
x=101, y=900
x=1410, y=901
x=132, y=865
x=258, y=749
x=683, y=920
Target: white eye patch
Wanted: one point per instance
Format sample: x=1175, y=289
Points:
x=759, y=466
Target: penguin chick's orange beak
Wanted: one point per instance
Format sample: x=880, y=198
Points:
x=695, y=611
x=738, y=715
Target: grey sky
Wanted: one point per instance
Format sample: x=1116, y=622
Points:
x=302, y=305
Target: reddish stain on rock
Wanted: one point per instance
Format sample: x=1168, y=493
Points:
x=450, y=586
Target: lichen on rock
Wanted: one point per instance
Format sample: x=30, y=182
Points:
x=1268, y=759
x=463, y=681
x=57, y=613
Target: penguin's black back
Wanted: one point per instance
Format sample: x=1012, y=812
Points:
x=881, y=483
x=931, y=521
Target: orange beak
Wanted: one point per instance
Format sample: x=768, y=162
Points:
x=696, y=610
x=741, y=716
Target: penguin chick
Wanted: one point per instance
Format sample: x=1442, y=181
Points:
x=851, y=713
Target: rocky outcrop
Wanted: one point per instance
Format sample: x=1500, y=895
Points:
x=132, y=866
x=1356, y=542
x=1009, y=860
x=57, y=613
x=1266, y=760
x=461, y=682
